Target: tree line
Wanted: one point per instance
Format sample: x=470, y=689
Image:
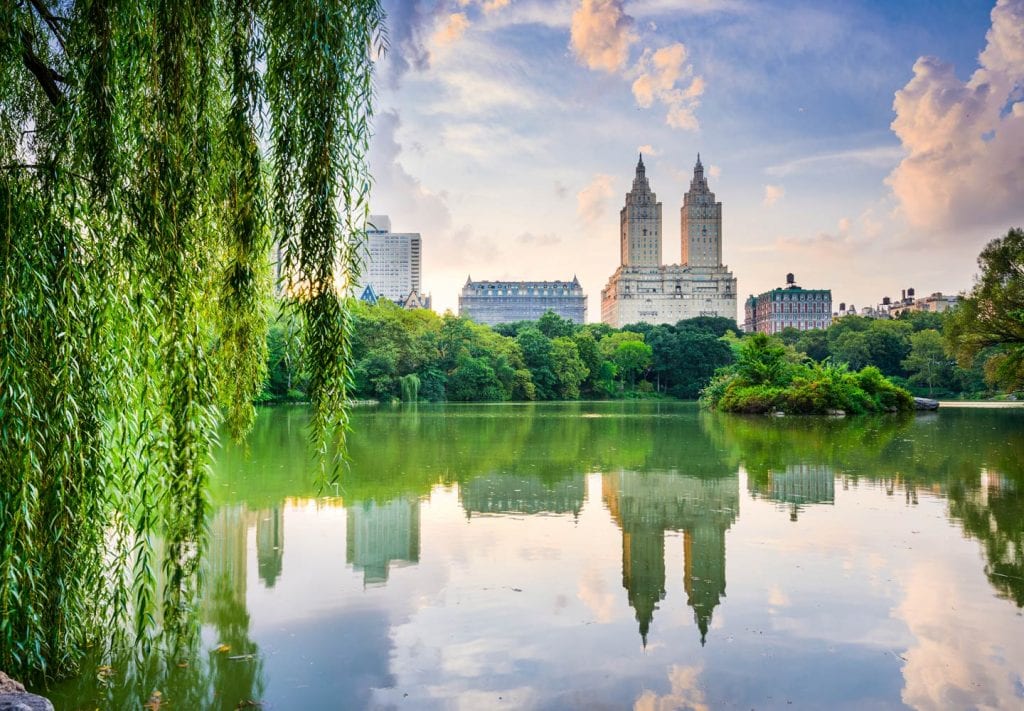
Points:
x=974, y=351
x=399, y=354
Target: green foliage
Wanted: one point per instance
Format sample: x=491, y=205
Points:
x=410, y=387
x=568, y=367
x=989, y=322
x=632, y=359
x=766, y=378
x=138, y=208
x=927, y=362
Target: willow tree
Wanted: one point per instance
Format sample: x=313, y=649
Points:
x=151, y=152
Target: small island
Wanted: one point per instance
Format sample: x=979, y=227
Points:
x=768, y=377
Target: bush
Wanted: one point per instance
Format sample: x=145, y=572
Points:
x=764, y=380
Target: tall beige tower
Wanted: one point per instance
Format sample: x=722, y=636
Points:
x=640, y=224
x=701, y=223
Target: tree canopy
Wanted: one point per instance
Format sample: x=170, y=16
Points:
x=990, y=320
x=150, y=153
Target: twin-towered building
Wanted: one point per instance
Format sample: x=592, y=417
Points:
x=645, y=289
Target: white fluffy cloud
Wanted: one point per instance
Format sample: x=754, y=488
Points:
x=592, y=201
x=964, y=141
x=772, y=194
x=648, y=150
x=663, y=75
x=452, y=29
x=601, y=34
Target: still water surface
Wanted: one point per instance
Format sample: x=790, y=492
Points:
x=610, y=556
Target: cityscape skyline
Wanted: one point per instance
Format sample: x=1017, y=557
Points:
x=503, y=132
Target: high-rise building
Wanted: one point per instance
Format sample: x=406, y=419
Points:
x=494, y=302
x=392, y=262
x=789, y=307
x=644, y=289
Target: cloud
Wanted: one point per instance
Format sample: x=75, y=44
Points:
x=878, y=156
x=601, y=34
x=660, y=76
x=772, y=194
x=686, y=692
x=714, y=171
x=487, y=5
x=592, y=200
x=648, y=150
x=452, y=29
x=408, y=21
x=965, y=140
x=395, y=191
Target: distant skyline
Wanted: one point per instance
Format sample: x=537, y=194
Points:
x=864, y=146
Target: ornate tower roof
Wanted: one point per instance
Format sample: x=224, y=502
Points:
x=640, y=179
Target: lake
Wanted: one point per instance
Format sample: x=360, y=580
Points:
x=616, y=555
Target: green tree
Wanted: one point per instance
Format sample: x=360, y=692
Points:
x=989, y=321
x=610, y=343
x=586, y=346
x=554, y=326
x=473, y=379
x=851, y=347
x=717, y=326
x=139, y=205
x=570, y=371
x=888, y=344
x=632, y=359
x=927, y=362
x=813, y=344
x=536, y=348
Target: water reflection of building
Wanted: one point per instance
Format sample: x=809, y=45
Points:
x=799, y=485
x=270, y=544
x=381, y=534
x=508, y=493
x=646, y=505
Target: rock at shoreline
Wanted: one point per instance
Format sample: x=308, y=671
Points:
x=923, y=403
x=13, y=697
x=9, y=685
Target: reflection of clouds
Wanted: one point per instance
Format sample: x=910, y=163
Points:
x=777, y=598
x=962, y=658
x=686, y=692
x=597, y=595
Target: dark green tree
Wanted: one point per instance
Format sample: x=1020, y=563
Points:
x=989, y=322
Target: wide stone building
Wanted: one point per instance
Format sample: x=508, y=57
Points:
x=494, y=302
x=644, y=289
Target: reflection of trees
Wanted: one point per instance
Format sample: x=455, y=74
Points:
x=187, y=678
x=975, y=458
x=993, y=513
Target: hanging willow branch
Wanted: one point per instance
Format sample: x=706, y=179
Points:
x=137, y=213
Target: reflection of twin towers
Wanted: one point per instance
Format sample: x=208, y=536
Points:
x=645, y=505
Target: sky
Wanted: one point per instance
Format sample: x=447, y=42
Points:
x=866, y=146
